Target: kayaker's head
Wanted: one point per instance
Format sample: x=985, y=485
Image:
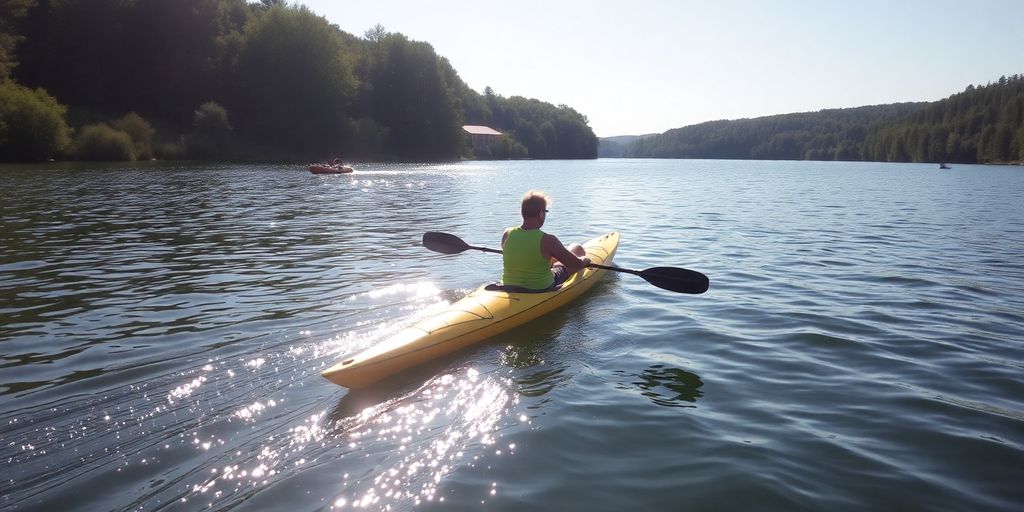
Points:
x=534, y=207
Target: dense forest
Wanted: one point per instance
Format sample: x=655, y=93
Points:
x=230, y=79
x=979, y=125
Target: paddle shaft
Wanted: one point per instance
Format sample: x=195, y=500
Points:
x=484, y=249
x=452, y=244
x=669, y=278
x=616, y=269
x=592, y=265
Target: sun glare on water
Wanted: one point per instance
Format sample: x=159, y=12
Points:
x=393, y=452
x=446, y=424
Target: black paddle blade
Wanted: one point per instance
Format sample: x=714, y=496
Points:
x=676, y=279
x=444, y=243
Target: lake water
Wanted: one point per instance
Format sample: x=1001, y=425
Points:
x=861, y=346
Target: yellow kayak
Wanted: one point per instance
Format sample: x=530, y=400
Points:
x=484, y=313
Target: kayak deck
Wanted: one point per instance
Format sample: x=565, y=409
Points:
x=480, y=315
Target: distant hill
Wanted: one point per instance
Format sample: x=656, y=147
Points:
x=980, y=124
x=615, y=147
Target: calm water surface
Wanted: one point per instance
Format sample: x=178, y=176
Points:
x=162, y=330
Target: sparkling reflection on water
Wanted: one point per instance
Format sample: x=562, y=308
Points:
x=164, y=328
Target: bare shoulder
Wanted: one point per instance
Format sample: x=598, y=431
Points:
x=551, y=246
x=549, y=240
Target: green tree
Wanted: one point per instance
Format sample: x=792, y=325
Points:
x=1017, y=150
x=32, y=125
x=100, y=142
x=376, y=33
x=156, y=57
x=369, y=139
x=11, y=13
x=507, y=148
x=544, y=147
x=986, y=150
x=545, y=130
x=1002, y=139
x=293, y=83
x=210, y=131
x=412, y=100
x=140, y=131
x=75, y=49
x=181, y=51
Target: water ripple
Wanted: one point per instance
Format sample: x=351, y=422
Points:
x=164, y=327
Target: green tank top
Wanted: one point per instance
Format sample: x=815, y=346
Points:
x=524, y=266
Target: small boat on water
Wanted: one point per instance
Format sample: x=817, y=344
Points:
x=329, y=169
x=944, y=166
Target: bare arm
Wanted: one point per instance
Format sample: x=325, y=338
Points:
x=551, y=247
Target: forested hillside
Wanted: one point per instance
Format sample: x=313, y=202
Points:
x=828, y=134
x=981, y=124
x=133, y=79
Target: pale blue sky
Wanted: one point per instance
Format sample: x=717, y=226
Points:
x=646, y=66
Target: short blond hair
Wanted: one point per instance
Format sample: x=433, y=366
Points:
x=534, y=202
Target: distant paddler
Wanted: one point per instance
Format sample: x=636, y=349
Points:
x=335, y=166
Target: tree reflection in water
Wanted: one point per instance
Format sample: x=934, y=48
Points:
x=671, y=387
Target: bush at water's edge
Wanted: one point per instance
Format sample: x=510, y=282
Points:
x=32, y=125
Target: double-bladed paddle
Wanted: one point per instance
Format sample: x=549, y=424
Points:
x=674, y=279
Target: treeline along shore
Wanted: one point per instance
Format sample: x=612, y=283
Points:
x=983, y=124
x=229, y=79
x=234, y=80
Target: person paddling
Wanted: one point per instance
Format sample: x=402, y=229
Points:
x=534, y=259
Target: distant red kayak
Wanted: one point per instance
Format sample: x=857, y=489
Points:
x=330, y=169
